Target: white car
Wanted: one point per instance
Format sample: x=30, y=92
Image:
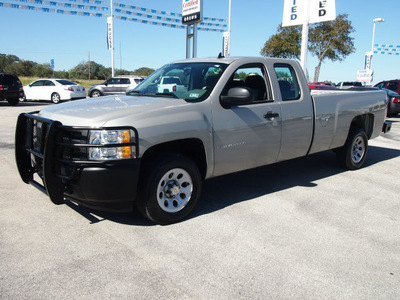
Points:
x=55, y=90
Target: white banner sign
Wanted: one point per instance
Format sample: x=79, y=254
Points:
x=226, y=43
x=298, y=12
x=109, y=33
x=365, y=75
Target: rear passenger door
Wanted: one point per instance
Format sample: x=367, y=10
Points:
x=247, y=135
x=124, y=84
x=296, y=112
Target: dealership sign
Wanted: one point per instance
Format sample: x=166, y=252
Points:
x=298, y=12
x=365, y=75
x=192, y=11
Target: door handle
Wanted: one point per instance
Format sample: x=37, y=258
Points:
x=271, y=115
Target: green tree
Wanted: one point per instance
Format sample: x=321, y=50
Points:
x=42, y=70
x=331, y=40
x=327, y=40
x=143, y=71
x=6, y=60
x=285, y=43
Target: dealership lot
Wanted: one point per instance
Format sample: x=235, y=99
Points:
x=296, y=230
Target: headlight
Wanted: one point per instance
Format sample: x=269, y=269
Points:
x=111, y=144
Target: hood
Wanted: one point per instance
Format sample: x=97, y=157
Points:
x=95, y=112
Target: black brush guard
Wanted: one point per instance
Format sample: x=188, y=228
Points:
x=41, y=146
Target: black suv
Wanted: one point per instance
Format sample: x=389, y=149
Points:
x=10, y=88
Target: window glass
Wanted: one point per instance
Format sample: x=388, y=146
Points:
x=65, y=82
x=138, y=80
x=124, y=81
x=251, y=76
x=189, y=81
x=48, y=83
x=288, y=83
x=381, y=85
x=113, y=81
x=38, y=83
x=392, y=86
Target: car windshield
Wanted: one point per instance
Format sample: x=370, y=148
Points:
x=189, y=81
x=66, y=82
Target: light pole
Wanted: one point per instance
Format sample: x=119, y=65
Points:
x=373, y=32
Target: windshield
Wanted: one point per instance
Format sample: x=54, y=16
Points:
x=188, y=81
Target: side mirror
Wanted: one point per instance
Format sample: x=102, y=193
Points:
x=237, y=96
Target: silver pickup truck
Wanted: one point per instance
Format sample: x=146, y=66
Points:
x=153, y=150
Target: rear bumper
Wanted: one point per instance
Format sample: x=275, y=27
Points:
x=387, y=125
x=12, y=94
x=51, y=157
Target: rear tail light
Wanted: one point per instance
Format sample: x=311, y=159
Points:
x=174, y=88
x=69, y=89
x=1, y=87
x=396, y=100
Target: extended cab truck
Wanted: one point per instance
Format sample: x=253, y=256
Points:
x=170, y=84
x=154, y=149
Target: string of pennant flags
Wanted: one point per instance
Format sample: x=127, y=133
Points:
x=98, y=8
x=387, y=49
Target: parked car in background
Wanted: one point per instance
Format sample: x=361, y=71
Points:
x=348, y=84
x=320, y=85
x=393, y=103
x=11, y=88
x=393, y=85
x=55, y=90
x=116, y=85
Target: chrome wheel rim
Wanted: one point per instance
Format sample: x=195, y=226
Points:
x=174, y=190
x=55, y=98
x=358, y=150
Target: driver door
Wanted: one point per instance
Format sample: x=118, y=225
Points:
x=247, y=135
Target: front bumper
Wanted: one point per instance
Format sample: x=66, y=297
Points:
x=53, y=158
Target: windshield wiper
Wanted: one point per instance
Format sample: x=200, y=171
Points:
x=167, y=94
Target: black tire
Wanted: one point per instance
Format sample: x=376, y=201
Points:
x=170, y=189
x=55, y=98
x=95, y=93
x=354, y=152
x=13, y=101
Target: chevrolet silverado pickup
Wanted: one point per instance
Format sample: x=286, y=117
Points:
x=153, y=150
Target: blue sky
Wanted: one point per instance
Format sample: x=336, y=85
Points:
x=41, y=36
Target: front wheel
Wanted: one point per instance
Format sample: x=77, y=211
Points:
x=354, y=152
x=55, y=98
x=95, y=93
x=171, y=189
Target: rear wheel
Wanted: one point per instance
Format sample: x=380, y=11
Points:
x=354, y=152
x=171, y=189
x=55, y=98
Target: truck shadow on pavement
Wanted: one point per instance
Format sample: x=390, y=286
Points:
x=224, y=191
x=227, y=190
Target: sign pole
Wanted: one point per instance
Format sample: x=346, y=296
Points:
x=112, y=38
x=304, y=46
x=192, y=14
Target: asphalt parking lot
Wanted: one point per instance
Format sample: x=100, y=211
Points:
x=303, y=229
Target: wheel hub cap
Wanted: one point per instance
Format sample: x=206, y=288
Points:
x=174, y=190
x=358, y=150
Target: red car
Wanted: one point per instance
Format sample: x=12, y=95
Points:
x=393, y=85
x=320, y=85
